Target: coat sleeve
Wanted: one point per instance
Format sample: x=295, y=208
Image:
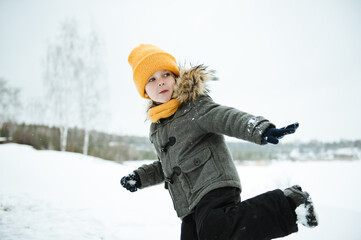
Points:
x=150, y=174
x=215, y=118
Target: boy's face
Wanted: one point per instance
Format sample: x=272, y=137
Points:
x=160, y=86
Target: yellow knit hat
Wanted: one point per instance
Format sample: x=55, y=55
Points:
x=147, y=59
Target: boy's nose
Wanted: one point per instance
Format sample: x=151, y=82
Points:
x=160, y=84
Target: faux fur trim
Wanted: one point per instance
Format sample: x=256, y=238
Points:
x=191, y=83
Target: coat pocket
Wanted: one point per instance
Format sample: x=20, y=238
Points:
x=199, y=170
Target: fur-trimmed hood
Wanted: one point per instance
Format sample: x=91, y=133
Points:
x=190, y=83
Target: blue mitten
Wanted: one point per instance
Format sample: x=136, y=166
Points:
x=131, y=182
x=272, y=135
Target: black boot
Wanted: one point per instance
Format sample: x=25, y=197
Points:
x=305, y=212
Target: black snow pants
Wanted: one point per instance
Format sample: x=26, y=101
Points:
x=221, y=215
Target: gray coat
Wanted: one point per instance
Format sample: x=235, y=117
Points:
x=193, y=158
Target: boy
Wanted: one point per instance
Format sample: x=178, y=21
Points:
x=194, y=162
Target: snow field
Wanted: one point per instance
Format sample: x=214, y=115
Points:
x=61, y=195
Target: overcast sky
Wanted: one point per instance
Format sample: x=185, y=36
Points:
x=287, y=60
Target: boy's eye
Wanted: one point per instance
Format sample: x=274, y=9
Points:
x=166, y=74
x=151, y=79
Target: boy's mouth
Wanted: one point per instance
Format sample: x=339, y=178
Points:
x=164, y=91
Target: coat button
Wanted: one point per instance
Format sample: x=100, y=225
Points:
x=197, y=161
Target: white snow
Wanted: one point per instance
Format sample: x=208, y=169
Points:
x=60, y=195
x=251, y=124
x=302, y=213
x=132, y=182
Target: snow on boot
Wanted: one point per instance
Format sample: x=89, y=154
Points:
x=305, y=211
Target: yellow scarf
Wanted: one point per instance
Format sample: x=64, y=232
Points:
x=163, y=111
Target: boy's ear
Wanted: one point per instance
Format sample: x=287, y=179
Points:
x=146, y=95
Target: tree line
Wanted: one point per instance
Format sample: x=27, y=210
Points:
x=106, y=146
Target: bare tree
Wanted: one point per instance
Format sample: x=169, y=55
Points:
x=63, y=67
x=9, y=103
x=90, y=86
x=73, y=76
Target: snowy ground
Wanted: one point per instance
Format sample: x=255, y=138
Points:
x=54, y=195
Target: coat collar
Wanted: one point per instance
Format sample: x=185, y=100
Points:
x=192, y=83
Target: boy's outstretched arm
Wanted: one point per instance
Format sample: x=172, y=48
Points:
x=212, y=117
x=272, y=135
x=215, y=118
